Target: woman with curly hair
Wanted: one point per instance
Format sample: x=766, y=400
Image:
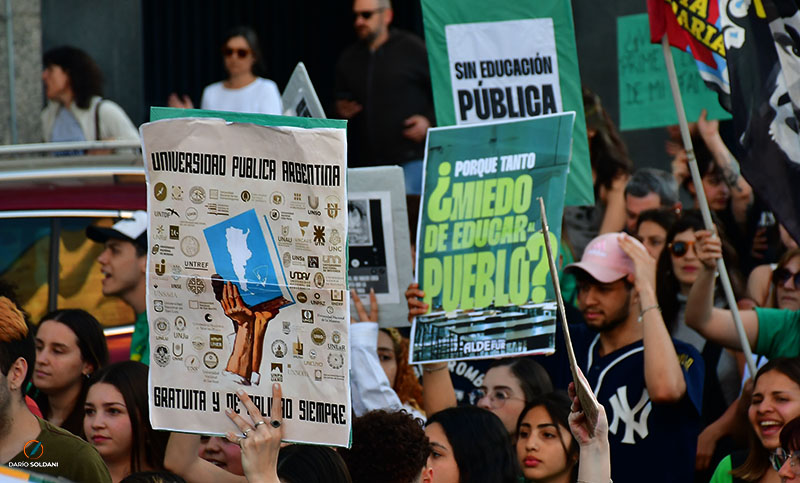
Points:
x=393, y=355
x=76, y=110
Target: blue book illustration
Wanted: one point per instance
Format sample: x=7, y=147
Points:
x=241, y=255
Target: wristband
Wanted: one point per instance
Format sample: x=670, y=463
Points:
x=427, y=370
x=641, y=314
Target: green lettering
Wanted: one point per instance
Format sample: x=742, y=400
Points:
x=523, y=187
x=431, y=279
x=468, y=280
x=488, y=198
x=519, y=276
x=452, y=282
x=430, y=239
x=439, y=207
x=501, y=298
x=505, y=194
x=484, y=287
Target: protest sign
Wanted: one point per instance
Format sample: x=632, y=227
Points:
x=480, y=251
x=378, y=240
x=645, y=99
x=241, y=216
x=515, y=60
x=299, y=98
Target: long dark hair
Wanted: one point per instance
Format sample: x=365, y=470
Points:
x=790, y=435
x=607, y=152
x=784, y=260
x=667, y=285
x=130, y=378
x=533, y=378
x=251, y=37
x=480, y=445
x=557, y=405
x=92, y=344
x=85, y=77
x=757, y=462
x=306, y=463
x=406, y=383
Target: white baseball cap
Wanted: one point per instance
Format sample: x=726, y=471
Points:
x=133, y=229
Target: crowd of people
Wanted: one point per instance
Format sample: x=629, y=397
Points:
x=651, y=327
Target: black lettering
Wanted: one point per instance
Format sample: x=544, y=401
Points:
x=464, y=103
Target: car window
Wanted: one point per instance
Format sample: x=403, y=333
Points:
x=25, y=246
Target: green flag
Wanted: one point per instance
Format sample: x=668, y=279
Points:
x=515, y=60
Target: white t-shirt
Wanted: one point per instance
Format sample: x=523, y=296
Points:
x=260, y=96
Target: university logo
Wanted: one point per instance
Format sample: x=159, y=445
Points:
x=319, y=235
x=332, y=206
x=628, y=416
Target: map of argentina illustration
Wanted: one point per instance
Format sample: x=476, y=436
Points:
x=241, y=254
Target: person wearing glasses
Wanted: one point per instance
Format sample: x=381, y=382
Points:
x=243, y=90
x=775, y=402
x=650, y=384
x=787, y=457
x=771, y=332
x=678, y=267
x=508, y=386
x=383, y=88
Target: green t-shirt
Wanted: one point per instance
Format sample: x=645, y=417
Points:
x=61, y=453
x=140, y=340
x=723, y=472
x=778, y=333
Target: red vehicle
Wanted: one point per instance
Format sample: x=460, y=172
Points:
x=46, y=203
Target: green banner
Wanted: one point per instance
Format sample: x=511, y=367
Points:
x=159, y=113
x=481, y=259
x=645, y=98
x=514, y=60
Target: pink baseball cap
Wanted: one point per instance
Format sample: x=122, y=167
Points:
x=604, y=260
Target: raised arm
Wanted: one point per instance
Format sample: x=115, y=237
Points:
x=369, y=385
x=261, y=440
x=437, y=387
x=595, y=455
x=662, y=371
x=614, y=197
x=714, y=324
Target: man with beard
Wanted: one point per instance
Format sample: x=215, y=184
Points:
x=383, y=88
x=651, y=385
x=30, y=443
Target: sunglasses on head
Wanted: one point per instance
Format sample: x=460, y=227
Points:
x=781, y=275
x=680, y=248
x=241, y=53
x=366, y=14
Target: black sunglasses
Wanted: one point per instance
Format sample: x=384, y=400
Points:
x=366, y=14
x=241, y=53
x=781, y=275
x=680, y=248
